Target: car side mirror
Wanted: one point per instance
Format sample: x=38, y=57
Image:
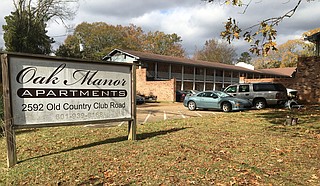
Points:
x=214, y=96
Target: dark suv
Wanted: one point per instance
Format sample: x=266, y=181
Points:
x=261, y=94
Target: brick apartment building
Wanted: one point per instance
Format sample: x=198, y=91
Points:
x=161, y=75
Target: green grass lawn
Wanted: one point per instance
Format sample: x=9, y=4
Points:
x=237, y=148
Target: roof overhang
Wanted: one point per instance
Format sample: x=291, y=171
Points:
x=313, y=38
x=149, y=57
x=115, y=51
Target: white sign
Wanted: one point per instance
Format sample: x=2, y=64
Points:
x=55, y=91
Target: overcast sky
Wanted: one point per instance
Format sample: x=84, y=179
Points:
x=193, y=20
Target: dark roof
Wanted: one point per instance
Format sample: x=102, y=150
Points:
x=314, y=37
x=144, y=56
x=288, y=71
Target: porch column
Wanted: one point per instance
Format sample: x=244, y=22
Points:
x=204, y=79
x=170, y=73
x=223, y=79
x=194, y=78
x=182, y=77
x=214, y=79
x=231, y=77
x=156, y=71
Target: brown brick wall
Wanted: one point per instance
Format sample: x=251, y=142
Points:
x=164, y=90
x=306, y=80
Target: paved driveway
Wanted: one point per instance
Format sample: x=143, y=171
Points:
x=152, y=112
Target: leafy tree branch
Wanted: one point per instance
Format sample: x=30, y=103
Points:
x=261, y=36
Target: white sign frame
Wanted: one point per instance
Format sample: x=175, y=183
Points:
x=46, y=92
x=37, y=86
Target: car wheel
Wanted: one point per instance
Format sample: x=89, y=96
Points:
x=191, y=105
x=226, y=107
x=260, y=104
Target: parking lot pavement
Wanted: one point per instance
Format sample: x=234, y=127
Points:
x=152, y=112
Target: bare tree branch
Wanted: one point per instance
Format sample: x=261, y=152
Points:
x=49, y=9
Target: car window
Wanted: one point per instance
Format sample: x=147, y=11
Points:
x=244, y=88
x=201, y=94
x=231, y=89
x=214, y=95
x=263, y=87
x=268, y=87
x=208, y=94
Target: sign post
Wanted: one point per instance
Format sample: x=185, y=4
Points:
x=132, y=125
x=8, y=125
x=49, y=91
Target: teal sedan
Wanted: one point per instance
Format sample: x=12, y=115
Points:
x=215, y=100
